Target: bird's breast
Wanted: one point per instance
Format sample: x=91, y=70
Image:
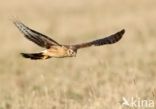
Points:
x=56, y=51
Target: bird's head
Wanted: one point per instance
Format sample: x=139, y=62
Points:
x=71, y=53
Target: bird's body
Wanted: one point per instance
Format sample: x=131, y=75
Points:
x=58, y=52
x=54, y=49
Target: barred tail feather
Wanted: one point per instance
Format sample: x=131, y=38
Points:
x=35, y=56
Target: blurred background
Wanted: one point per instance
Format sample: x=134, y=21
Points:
x=98, y=77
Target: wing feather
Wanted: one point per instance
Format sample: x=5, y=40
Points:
x=107, y=40
x=34, y=36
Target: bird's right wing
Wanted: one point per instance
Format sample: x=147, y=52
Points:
x=36, y=37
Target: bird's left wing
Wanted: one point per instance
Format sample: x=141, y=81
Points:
x=36, y=37
x=107, y=40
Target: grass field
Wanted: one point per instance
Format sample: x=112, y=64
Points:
x=98, y=77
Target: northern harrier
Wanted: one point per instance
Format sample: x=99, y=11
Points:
x=54, y=49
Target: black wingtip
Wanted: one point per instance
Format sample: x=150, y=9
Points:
x=25, y=55
x=35, y=56
x=119, y=35
x=122, y=31
x=19, y=25
x=15, y=22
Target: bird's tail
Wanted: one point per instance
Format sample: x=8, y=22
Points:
x=35, y=56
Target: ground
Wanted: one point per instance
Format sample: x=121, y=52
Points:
x=99, y=77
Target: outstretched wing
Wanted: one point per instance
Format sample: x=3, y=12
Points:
x=107, y=40
x=34, y=36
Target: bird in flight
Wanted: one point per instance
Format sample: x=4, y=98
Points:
x=57, y=50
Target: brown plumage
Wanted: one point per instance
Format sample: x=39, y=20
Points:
x=54, y=49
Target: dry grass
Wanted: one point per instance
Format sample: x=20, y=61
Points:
x=98, y=77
